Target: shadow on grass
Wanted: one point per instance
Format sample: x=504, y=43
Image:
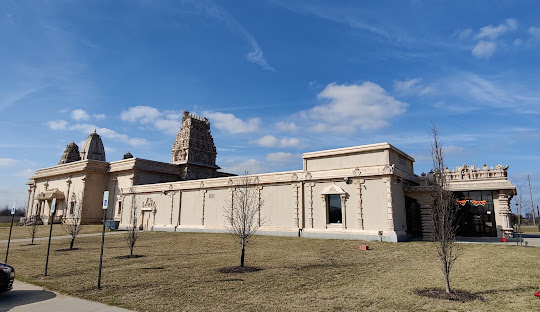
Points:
x=66, y=249
x=456, y=295
x=129, y=257
x=237, y=269
x=155, y=268
x=494, y=291
x=29, y=245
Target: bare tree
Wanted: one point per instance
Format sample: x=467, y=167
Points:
x=443, y=212
x=132, y=233
x=33, y=227
x=72, y=222
x=243, y=212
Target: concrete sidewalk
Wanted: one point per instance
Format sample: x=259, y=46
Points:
x=30, y=298
x=21, y=240
x=532, y=240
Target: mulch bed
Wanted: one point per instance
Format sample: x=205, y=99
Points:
x=129, y=257
x=456, y=295
x=237, y=269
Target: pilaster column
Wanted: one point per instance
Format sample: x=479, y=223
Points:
x=389, y=203
x=344, y=209
x=296, y=189
x=310, y=203
x=360, y=184
x=203, y=204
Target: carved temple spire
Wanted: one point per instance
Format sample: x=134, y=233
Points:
x=71, y=154
x=93, y=148
x=194, y=142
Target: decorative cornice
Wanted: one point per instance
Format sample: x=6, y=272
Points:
x=276, y=178
x=71, y=168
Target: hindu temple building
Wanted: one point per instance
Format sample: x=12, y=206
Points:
x=362, y=192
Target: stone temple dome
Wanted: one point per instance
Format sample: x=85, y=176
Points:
x=127, y=155
x=93, y=148
x=71, y=154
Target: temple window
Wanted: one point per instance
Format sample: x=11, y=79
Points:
x=333, y=209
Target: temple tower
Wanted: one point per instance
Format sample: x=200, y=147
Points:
x=194, y=147
x=71, y=154
x=93, y=148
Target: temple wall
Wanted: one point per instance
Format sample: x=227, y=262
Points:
x=346, y=161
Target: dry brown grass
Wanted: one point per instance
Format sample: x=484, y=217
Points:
x=43, y=231
x=180, y=272
x=529, y=228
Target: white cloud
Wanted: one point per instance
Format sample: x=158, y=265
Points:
x=100, y=116
x=272, y=141
x=493, y=32
x=168, y=126
x=286, y=126
x=517, y=42
x=535, y=32
x=484, y=49
x=282, y=157
x=233, y=124
x=142, y=114
x=268, y=141
x=79, y=114
x=7, y=162
x=366, y=106
x=57, y=125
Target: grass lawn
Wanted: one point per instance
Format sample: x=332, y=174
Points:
x=43, y=231
x=180, y=272
x=529, y=228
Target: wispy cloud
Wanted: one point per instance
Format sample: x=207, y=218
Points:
x=213, y=10
x=4, y=162
x=488, y=37
x=413, y=86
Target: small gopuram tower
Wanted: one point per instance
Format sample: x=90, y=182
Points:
x=93, y=148
x=71, y=154
x=194, y=147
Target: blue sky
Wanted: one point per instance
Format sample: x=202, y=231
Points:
x=275, y=78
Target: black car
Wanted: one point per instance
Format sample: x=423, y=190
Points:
x=7, y=275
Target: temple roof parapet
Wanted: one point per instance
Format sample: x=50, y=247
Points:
x=472, y=173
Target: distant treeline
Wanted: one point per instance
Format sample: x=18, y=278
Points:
x=6, y=211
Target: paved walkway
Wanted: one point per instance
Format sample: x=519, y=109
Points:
x=20, y=240
x=527, y=240
x=29, y=298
